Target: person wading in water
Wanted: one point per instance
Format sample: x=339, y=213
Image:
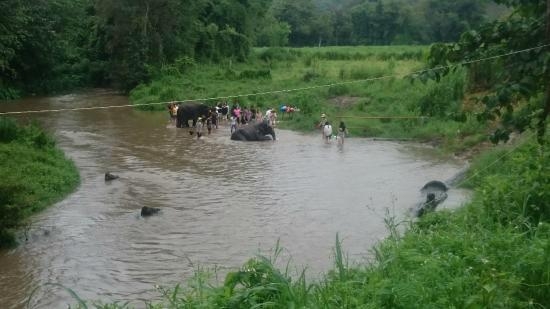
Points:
x=342, y=132
x=327, y=132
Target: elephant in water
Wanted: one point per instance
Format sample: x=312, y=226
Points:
x=190, y=111
x=434, y=193
x=254, y=132
x=147, y=211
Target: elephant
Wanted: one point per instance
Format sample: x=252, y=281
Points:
x=109, y=176
x=434, y=185
x=190, y=111
x=147, y=211
x=254, y=132
x=435, y=193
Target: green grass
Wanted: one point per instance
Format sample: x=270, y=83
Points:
x=35, y=174
x=354, y=94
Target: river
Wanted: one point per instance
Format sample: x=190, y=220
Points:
x=222, y=202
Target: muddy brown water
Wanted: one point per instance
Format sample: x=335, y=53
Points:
x=222, y=203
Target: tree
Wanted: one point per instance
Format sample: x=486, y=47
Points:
x=272, y=32
x=300, y=15
x=519, y=97
x=447, y=19
x=36, y=39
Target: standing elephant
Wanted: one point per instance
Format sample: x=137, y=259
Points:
x=254, y=132
x=190, y=111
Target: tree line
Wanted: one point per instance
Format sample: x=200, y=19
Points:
x=51, y=45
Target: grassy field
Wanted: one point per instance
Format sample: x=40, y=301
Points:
x=348, y=84
x=35, y=174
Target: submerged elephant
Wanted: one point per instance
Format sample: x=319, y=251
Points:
x=254, y=132
x=190, y=111
x=434, y=193
x=109, y=176
x=147, y=211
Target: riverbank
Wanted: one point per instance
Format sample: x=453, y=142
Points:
x=492, y=253
x=371, y=89
x=35, y=175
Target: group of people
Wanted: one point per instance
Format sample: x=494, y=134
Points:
x=239, y=116
x=236, y=115
x=327, y=131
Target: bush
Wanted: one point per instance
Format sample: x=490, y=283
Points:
x=279, y=54
x=8, y=130
x=444, y=99
x=521, y=189
x=8, y=93
x=338, y=90
x=310, y=75
x=255, y=74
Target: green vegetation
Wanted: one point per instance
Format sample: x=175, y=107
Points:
x=53, y=46
x=354, y=95
x=517, y=93
x=35, y=174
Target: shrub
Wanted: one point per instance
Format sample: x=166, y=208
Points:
x=8, y=130
x=366, y=72
x=443, y=99
x=279, y=54
x=310, y=75
x=8, y=93
x=255, y=74
x=338, y=90
x=522, y=189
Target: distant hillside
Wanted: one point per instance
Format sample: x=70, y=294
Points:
x=493, y=10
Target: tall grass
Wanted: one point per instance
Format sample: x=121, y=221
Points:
x=35, y=174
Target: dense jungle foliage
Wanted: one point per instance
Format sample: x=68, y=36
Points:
x=55, y=45
x=35, y=174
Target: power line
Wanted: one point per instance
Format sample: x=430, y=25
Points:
x=282, y=90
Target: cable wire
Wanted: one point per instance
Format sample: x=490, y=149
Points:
x=282, y=90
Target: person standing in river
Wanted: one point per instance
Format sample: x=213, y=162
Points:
x=321, y=124
x=198, y=128
x=233, y=124
x=327, y=132
x=342, y=132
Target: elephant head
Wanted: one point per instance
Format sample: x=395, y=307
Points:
x=265, y=129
